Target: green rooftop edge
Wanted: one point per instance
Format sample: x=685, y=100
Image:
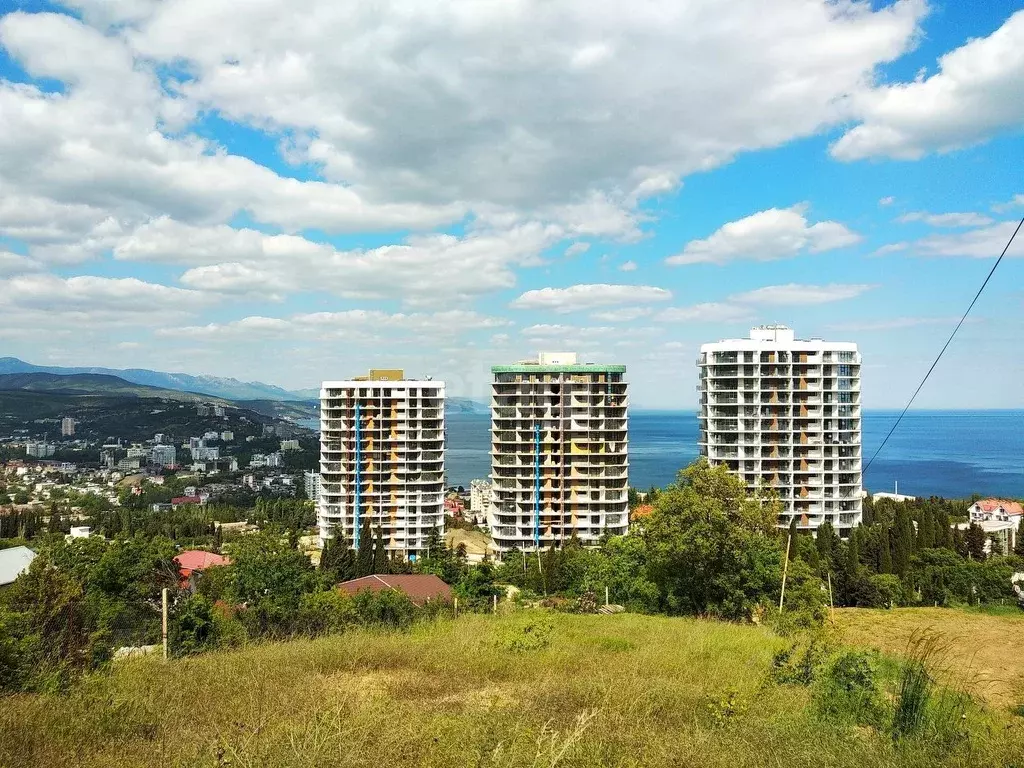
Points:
x=558, y=369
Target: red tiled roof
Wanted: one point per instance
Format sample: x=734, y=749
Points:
x=642, y=510
x=1010, y=507
x=418, y=587
x=197, y=560
x=186, y=500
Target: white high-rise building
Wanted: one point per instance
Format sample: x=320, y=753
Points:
x=67, y=427
x=785, y=414
x=382, y=458
x=559, y=457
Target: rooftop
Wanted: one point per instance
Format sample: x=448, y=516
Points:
x=418, y=587
x=13, y=562
x=777, y=337
x=557, y=362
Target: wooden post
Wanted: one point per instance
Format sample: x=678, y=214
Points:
x=785, y=568
x=495, y=603
x=456, y=607
x=163, y=597
x=606, y=597
x=831, y=605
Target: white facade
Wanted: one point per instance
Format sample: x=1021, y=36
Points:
x=785, y=414
x=559, y=459
x=311, y=484
x=163, y=455
x=382, y=457
x=67, y=427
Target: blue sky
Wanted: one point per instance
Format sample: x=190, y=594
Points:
x=311, y=189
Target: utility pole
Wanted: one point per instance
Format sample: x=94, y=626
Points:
x=785, y=568
x=163, y=600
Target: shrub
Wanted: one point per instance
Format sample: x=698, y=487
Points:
x=533, y=635
x=849, y=691
x=322, y=613
x=387, y=608
x=193, y=629
x=796, y=665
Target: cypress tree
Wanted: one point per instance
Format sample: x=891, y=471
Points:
x=943, y=530
x=826, y=543
x=380, y=553
x=959, y=542
x=903, y=544
x=1018, y=544
x=852, y=555
x=364, y=555
x=975, y=542
x=884, y=552
x=791, y=537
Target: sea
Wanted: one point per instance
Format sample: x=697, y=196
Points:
x=932, y=453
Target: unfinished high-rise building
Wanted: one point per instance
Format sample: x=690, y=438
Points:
x=559, y=462
x=382, y=459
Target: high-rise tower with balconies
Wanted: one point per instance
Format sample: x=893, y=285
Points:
x=559, y=462
x=785, y=414
x=382, y=459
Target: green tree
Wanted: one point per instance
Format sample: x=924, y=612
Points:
x=380, y=554
x=903, y=542
x=267, y=571
x=974, y=541
x=885, y=553
x=713, y=549
x=1018, y=544
x=364, y=553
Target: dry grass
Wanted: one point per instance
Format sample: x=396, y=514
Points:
x=619, y=690
x=983, y=652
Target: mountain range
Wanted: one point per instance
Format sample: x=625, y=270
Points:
x=214, y=386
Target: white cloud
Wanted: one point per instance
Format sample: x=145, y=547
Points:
x=977, y=93
x=16, y=264
x=577, y=248
x=896, y=323
x=887, y=200
x=86, y=303
x=766, y=236
x=425, y=269
x=710, y=312
x=396, y=102
x=795, y=294
x=393, y=326
x=589, y=296
x=1016, y=202
x=628, y=266
x=983, y=243
x=946, y=219
x=624, y=315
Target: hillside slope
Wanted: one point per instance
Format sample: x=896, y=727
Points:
x=228, y=388
x=623, y=690
x=94, y=384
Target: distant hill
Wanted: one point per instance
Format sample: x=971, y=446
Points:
x=229, y=389
x=94, y=384
x=263, y=398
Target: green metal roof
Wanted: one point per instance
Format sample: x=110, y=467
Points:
x=534, y=368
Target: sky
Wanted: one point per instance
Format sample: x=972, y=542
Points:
x=309, y=188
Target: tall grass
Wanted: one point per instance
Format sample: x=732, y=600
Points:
x=620, y=690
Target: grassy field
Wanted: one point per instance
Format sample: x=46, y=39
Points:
x=611, y=691
x=983, y=649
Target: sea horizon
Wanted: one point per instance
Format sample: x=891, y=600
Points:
x=953, y=453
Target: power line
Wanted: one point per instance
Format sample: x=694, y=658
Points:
x=946, y=345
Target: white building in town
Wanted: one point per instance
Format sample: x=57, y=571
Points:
x=311, y=484
x=999, y=519
x=382, y=458
x=559, y=459
x=785, y=414
x=163, y=455
x=67, y=427
x=40, y=450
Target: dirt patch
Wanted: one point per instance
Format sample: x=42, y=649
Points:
x=986, y=653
